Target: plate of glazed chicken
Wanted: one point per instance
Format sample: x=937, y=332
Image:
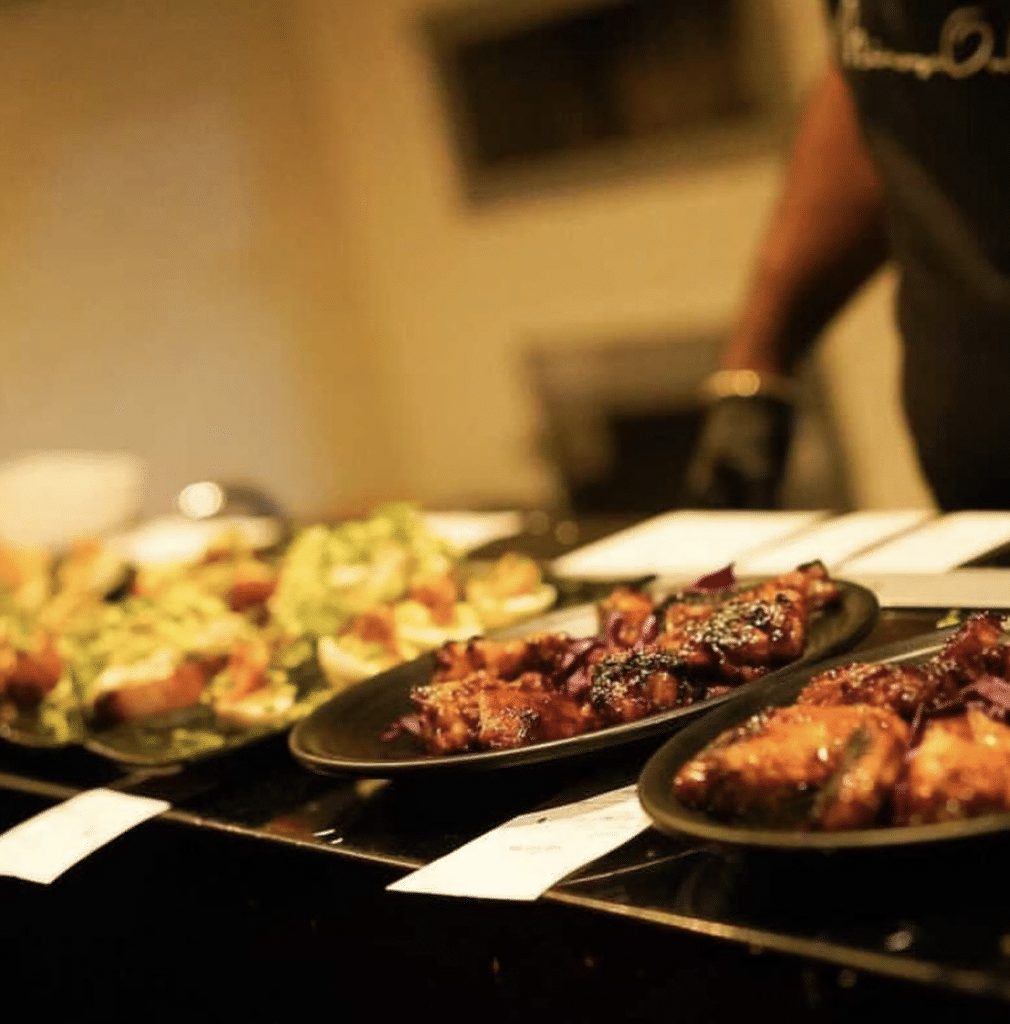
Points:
x=582, y=679
x=909, y=744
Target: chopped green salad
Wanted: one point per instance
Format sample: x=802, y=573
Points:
x=331, y=574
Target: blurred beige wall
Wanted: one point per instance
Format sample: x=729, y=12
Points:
x=234, y=241
x=175, y=279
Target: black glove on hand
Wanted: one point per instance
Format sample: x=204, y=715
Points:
x=740, y=456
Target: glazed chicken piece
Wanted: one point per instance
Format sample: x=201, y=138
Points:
x=623, y=615
x=902, y=688
x=865, y=781
x=742, y=638
x=961, y=769
x=811, y=581
x=447, y=712
x=732, y=642
x=498, y=693
x=529, y=710
x=505, y=659
x=973, y=651
x=838, y=758
x=628, y=686
x=483, y=712
x=678, y=615
x=826, y=768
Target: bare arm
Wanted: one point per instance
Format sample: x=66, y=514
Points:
x=825, y=238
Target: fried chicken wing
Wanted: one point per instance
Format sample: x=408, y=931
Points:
x=902, y=688
x=976, y=649
x=863, y=785
x=973, y=651
x=448, y=713
x=846, y=742
x=811, y=581
x=529, y=711
x=961, y=769
x=504, y=659
x=484, y=712
x=742, y=638
x=813, y=767
x=701, y=645
x=631, y=685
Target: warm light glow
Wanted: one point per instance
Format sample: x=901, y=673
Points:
x=748, y=383
x=202, y=500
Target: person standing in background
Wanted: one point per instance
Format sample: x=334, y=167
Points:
x=903, y=152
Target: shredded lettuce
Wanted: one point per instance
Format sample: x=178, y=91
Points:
x=331, y=574
x=182, y=619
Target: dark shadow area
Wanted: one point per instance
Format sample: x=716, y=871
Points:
x=620, y=420
x=555, y=93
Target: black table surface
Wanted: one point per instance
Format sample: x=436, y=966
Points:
x=256, y=847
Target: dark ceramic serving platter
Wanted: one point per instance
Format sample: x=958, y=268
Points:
x=25, y=728
x=192, y=733
x=655, y=785
x=343, y=735
x=174, y=737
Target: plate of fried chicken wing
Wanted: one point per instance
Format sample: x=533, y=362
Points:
x=909, y=744
x=634, y=665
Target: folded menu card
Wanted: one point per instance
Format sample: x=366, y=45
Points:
x=42, y=848
x=962, y=589
x=938, y=546
x=833, y=541
x=523, y=858
x=469, y=530
x=683, y=544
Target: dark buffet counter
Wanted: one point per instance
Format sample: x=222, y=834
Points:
x=261, y=894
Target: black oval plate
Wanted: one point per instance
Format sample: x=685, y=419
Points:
x=152, y=741
x=655, y=785
x=173, y=737
x=343, y=734
x=24, y=728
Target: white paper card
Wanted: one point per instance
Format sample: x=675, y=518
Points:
x=466, y=531
x=683, y=543
x=42, y=848
x=834, y=541
x=939, y=546
x=523, y=858
x=979, y=589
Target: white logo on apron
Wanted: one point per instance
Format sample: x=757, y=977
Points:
x=966, y=46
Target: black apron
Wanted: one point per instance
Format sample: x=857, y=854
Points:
x=931, y=82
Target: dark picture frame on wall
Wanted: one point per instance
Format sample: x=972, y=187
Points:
x=546, y=94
